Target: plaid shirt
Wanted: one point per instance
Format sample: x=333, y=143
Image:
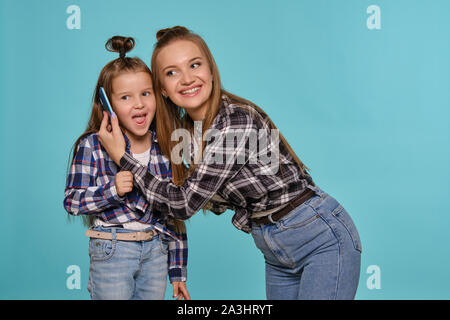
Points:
x=90, y=190
x=244, y=187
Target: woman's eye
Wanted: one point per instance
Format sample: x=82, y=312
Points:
x=170, y=73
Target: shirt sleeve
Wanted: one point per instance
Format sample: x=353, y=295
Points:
x=226, y=152
x=82, y=194
x=178, y=257
x=215, y=208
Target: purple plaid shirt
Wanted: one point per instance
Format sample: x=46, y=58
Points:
x=90, y=190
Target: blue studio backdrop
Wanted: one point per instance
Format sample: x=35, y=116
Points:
x=359, y=88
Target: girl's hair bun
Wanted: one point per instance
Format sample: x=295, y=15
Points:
x=120, y=44
x=177, y=29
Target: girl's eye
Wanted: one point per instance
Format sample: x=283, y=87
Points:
x=146, y=93
x=195, y=65
x=125, y=97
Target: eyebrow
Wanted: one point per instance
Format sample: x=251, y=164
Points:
x=188, y=62
x=126, y=92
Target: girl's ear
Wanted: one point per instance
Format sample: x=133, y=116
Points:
x=164, y=93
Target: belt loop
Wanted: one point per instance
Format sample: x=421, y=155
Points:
x=113, y=234
x=316, y=190
x=270, y=219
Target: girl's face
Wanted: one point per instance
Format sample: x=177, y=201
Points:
x=185, y=77
x=134, y=103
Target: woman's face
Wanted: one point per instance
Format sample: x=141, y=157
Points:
x=134, y=103
x=185, y=77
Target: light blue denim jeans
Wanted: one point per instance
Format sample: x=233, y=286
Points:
x=127, y=270
x=313, y=252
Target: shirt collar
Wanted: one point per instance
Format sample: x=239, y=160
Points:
x=128, y=143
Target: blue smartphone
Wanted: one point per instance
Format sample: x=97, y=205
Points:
x=104, y=101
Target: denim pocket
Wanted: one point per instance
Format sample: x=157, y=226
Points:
x=299, y=234
x=101, y=249
x=343, y=217
x=299, y=217
x=258, y=238
x=163, y=244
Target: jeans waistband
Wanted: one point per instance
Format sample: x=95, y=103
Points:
x=118, y=229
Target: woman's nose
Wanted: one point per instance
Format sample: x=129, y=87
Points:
x=187, y=78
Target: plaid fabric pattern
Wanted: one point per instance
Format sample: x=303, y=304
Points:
x=244, y=187
x=90, y=190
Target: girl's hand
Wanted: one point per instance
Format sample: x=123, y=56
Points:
x=124, y=182
x=180, y=291
x=111, y=138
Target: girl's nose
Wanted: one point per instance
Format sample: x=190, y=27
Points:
x=139, y=103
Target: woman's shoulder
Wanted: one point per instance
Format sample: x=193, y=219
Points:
x=235, y=113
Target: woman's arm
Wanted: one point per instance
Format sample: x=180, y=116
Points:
x=219, y=164
x=222, y=160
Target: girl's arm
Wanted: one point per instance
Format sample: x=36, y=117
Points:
x=178, y=255
x=180, y=291
x=82, y=194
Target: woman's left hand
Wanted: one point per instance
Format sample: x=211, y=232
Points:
x=180, y=291
x=111, y=137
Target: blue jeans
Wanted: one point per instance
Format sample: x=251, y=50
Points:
x=313, y=252
x=124, y=270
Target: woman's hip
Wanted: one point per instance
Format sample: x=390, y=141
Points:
x=318, y=224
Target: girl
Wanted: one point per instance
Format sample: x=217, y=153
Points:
x=311, y=246
x=132, y=246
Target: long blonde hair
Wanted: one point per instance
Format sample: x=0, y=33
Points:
x=171, y=117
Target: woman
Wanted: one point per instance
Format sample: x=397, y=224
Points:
x=310, y=244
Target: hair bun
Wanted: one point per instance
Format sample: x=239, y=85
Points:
x=177, y=29
x=120, y=44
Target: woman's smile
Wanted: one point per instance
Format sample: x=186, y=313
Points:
x=191, y=91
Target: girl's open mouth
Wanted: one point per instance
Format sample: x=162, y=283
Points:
x=140, y=119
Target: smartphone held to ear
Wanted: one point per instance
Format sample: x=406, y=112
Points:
x=104, y=101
